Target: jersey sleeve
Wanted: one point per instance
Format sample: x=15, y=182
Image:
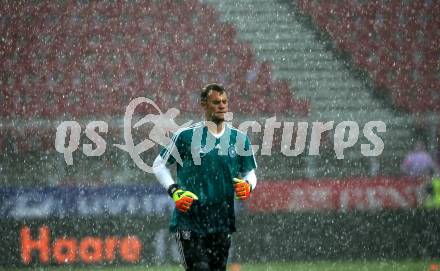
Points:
x=247, y=162
x=167, y=152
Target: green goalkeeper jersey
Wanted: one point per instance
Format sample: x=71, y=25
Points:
x=207, y=167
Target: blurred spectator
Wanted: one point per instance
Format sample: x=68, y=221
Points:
x=419, y=162
x=432, y=199
x=437, y=143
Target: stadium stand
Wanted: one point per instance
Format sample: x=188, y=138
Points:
x=87, y=60
x=301, y=54
x=66, y=54
x=396, y=42
x=72, y=60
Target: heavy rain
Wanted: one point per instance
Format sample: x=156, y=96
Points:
x=323, y=153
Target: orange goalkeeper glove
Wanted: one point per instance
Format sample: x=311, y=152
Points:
x=182, y=199
x=242, y=189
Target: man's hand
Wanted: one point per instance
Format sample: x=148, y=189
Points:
x=183, y=200
x=242, y=189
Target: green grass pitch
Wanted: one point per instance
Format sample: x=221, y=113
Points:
x=406, y=265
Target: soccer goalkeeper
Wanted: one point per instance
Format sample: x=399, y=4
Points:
x=204, y=191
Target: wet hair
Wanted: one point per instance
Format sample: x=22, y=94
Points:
x=206, y=90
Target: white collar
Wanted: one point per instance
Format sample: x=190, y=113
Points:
x=217, y=135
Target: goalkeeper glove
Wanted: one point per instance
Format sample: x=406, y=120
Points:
x=182, y=199
x=242, y=189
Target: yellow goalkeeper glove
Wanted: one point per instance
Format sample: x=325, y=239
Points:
x=182, y=199
x=242, y=189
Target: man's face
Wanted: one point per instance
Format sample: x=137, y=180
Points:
x=216, y=106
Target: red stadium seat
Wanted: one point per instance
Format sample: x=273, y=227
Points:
x=83, y=60
x=385, y=38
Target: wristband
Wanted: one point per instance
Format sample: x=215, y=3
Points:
x=172, y=188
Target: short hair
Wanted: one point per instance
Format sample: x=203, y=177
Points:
x=206, y=90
